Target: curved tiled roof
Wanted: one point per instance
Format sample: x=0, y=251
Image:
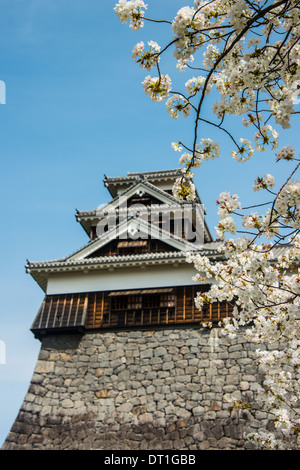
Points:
x=145, y=174
x=39, y=269
x=64, y=262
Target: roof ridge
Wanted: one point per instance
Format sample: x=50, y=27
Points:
x=153, y=172
x=114, y=258
x=146, y=183
x=161, y=254
x=142, y=223
x=173, y=171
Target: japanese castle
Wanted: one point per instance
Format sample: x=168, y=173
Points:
x=133, y=271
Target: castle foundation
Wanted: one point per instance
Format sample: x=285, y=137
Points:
x=140, y=390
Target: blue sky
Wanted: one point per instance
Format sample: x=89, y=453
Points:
x=75, y=110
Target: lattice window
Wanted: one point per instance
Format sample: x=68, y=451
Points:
x=132, y=247
x=134, y=302
x=128, y=308
x=167, y=300
x=119, y=303
x=151, y=301
x=126, y=302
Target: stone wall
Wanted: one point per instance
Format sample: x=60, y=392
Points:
x=142, y=390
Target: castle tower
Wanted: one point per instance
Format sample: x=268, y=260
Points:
x=133, y=271
x=124, y=362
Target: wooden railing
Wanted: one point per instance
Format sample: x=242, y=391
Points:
x=97, y=310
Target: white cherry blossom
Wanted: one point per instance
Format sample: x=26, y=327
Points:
x=146, y=59
x=158, y=88
x=245, y=56
x=131, y=11
x=177, y=105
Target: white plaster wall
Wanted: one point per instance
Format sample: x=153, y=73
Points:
x=131, y=278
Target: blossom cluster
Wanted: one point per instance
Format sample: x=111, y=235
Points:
x=194, y=85
x=177, y=105
x=266, y=294
x=264, y=183
x=228, y=204
x=147, y=59
x=131, y=11
x=251, y=277
x=184, y=188
x=265, y=136
x=286, y=153
x=249, y=71
x=244, y=152
x=158, y=88
x=207, y=149
x=288, y=204
x=246, y=54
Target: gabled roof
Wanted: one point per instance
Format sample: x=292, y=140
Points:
x=115, y=182
x=149, y=189
x=41, y=269
x=81, y=259
x=88, y=218
x=132, y=225
x=134, y=188
x=154, y=184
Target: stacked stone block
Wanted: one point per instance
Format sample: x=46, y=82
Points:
x=140, y=390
